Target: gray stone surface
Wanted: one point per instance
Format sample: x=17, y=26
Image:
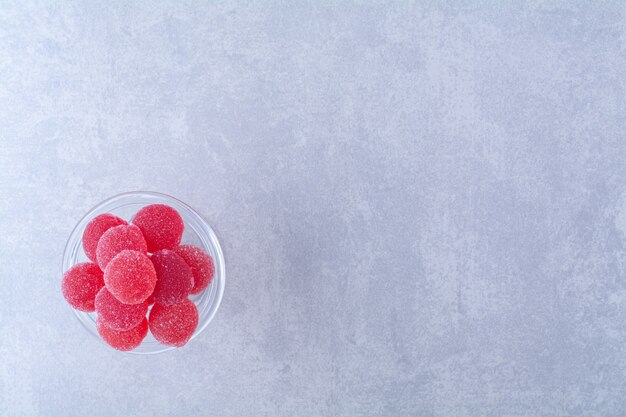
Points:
x=422, y=205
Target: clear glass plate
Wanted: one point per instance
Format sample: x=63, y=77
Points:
x=197, y=232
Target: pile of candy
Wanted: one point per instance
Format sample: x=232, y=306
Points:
x=139, y=269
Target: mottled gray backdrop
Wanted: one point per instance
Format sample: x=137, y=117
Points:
x=422, y=205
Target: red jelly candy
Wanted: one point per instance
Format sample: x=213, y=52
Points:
x=173, y=325
x=123, y=339
x=94, y=231
x=201, y=265
x=161, y=225
x=116, y=315
x=117, y=239
x=174, y=277
x=130, y=277
x=80, y=285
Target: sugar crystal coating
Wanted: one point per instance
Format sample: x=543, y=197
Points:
x=174, y=277
x=117, y=239
x=94, y=231
x=123, y=340
x=117, y=315
x=201, y=265
x=161, y=226
x=80, y=285
x=130, y=277
x=173, y=325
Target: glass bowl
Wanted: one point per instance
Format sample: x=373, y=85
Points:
x=197, y=232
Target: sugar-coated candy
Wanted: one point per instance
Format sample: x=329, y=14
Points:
x=130, y=277
x=123, y=339
x=174, y=324
x=117, y=239
x=80, y=285
x=117, y=315
x=201, y=265
x=161, y=226
x=174, y=277
x=94, y=231
x=139, y=268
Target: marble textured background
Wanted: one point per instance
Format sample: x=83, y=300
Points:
x=422, y=205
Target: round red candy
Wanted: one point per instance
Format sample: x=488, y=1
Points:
x=94, y=231
x=116, y=315
x=123, y=339
x=161, y=225
x=174, y=277
x=117, y=239
x=201, y=265
x=173, y=325
x=130, y=277
x=80, y=285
